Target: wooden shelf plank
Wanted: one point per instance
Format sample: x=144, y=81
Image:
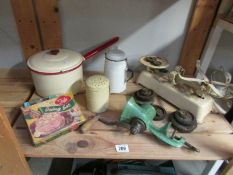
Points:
x=14, y=99
x=15, y=88
x=227, y=18
x=12, y=159
x=21, y=73
x=221, y=24
x=101, y=144
x=14, y=77
x=226, y=25
x=215, y=131
x=213, y=124
x=214, y=137
x=12, y=113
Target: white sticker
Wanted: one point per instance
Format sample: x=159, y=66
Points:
x=124, y=148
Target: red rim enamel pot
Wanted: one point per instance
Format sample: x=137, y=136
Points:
x=57, y=71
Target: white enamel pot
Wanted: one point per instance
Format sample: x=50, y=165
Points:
x=57, y=71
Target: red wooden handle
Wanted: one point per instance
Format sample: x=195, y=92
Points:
x=100, y=48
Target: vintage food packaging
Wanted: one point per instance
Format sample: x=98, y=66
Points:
x=51, y=118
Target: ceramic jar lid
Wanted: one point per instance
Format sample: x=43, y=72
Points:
x=97, y=82
x=55, y=61
x=115, y=55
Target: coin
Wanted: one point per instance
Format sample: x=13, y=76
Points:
x=71, y=147
x=82, y=143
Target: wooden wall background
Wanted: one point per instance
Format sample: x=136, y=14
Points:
x=38, y=24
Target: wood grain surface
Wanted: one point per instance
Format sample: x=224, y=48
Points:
x=49, y=23
x=12, y=160
x=12, y=113
x=15, y=88
x=213, y=123
x=200, y=25
x=101, y=144
x=213, y=138
x=27, y=26
x=15, y=76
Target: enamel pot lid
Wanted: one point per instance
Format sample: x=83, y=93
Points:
x=55, y=61
x=115, y=55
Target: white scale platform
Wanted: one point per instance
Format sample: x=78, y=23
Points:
x=197, y=106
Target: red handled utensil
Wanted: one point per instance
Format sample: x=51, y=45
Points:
x=100, y=48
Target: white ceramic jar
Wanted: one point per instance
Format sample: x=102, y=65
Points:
x=115, y=69
x=56, y=71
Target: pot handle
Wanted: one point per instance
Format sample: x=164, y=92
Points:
x=100, y=48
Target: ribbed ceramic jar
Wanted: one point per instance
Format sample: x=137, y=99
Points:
x=97, y=93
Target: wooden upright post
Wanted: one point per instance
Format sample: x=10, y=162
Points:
x=38, y=25
x=27, y=26
x=201, y=23
x=49, y=22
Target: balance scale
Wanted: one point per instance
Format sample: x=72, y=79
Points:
x=199, y=107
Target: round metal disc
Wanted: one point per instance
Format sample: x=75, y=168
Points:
x=160, y=113
x=144, y=96
x=183, y=121
x=184, y=117
x=71, y=147
x=82, y=143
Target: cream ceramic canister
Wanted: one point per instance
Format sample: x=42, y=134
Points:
x=97, y=93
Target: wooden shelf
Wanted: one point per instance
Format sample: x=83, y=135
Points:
x=16, y=87
x=214, y=138
x=226, y=24
x=222, y=24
